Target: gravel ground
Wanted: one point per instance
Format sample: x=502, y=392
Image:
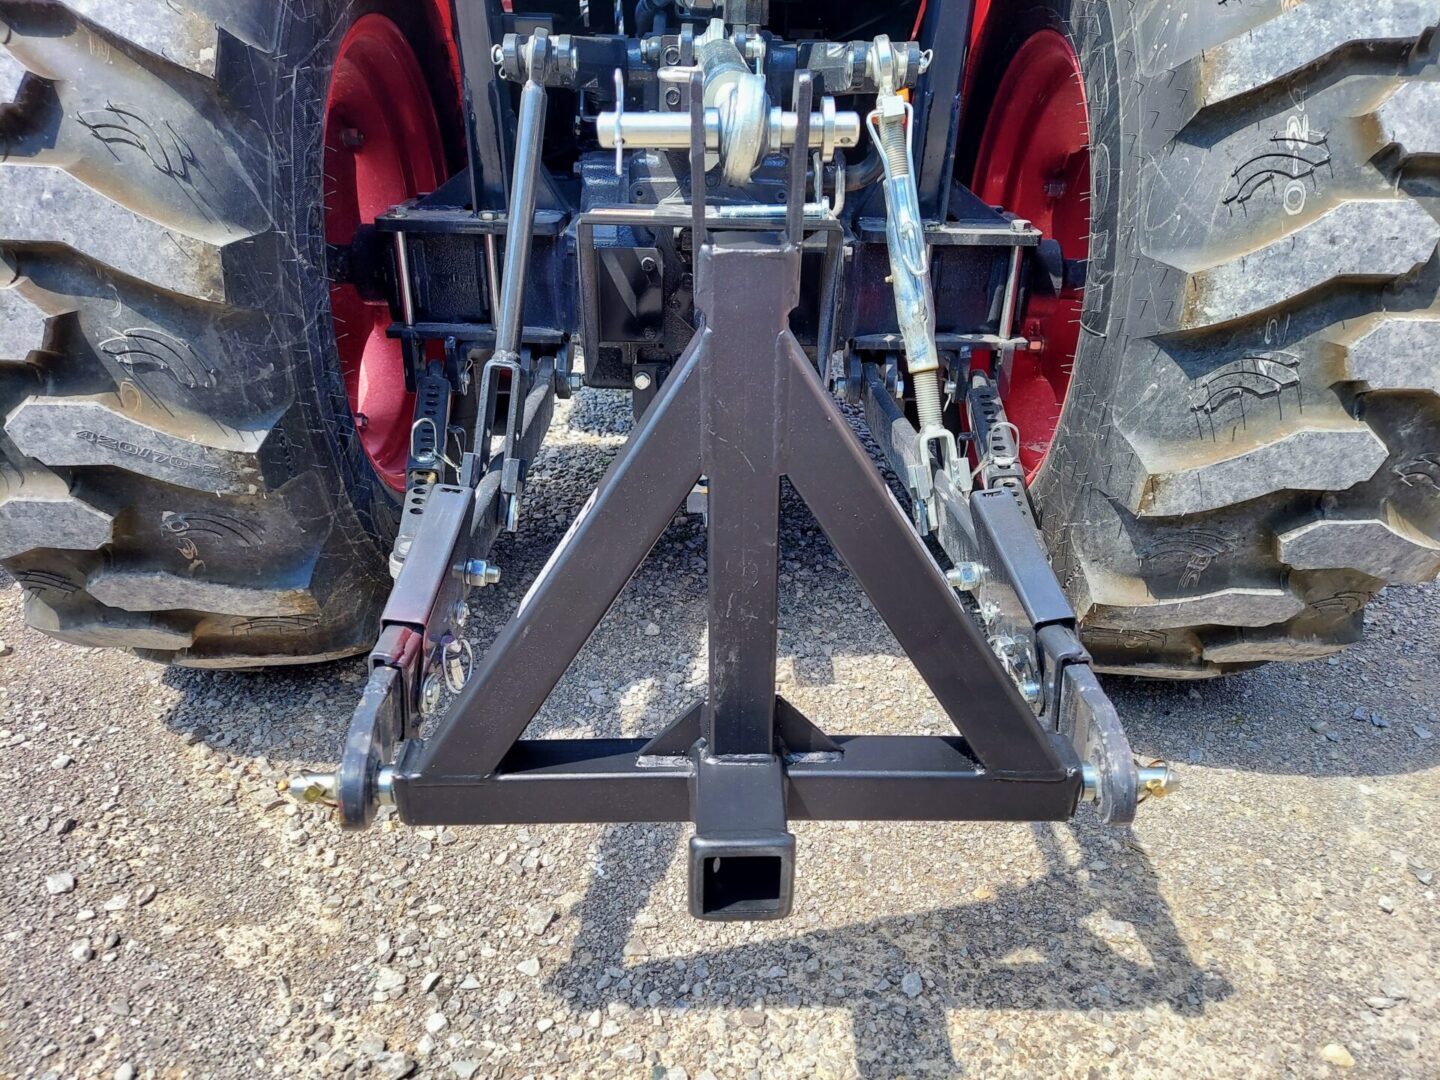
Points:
x=166, y=914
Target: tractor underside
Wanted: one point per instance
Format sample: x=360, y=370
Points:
x=739, y=219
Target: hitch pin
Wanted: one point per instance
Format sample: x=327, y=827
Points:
x=321, y=788
x=312, y=787
x=619, y=116
x=1155, y=780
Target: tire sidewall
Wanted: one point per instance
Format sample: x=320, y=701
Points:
x=1092, y=28
x=305, y=59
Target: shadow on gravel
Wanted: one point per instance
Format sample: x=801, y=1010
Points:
x=1062, y=942
x=296, y=713
x=1291, y=719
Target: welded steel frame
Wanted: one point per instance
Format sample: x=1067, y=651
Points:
x=731, y=414
x=743, y=407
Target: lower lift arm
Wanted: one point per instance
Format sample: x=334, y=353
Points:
x=999, y=558
x=447, y=529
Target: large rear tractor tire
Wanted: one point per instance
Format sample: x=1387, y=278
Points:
x=181, y=468
x=1234, y=438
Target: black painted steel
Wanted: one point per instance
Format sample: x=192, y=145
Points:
x=634, y=502
x=370, y=740
x=744, y=445
x=946, y=33
x=833, y=474
x=742, y=855
x=745, y=407
x=486, y=110
x=872, y=778
x=1010, y=552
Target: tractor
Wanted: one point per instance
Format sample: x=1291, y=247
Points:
x=1138, y=303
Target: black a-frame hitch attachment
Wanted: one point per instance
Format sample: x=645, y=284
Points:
x=744, y=407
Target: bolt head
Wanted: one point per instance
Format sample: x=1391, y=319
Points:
x=479, y=573
x=430, y=692
x=965, y=576
x=643, y=380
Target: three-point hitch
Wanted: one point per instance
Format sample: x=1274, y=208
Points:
x=742, y=406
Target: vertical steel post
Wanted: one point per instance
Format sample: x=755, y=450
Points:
x=742, y=856
x=746, y=289
x=937, y=101
x=485, y=112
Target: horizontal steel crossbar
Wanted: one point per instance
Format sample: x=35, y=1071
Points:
x=874, y=778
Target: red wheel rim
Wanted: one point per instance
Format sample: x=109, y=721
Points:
x=1034, y=161
x=382, y=146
